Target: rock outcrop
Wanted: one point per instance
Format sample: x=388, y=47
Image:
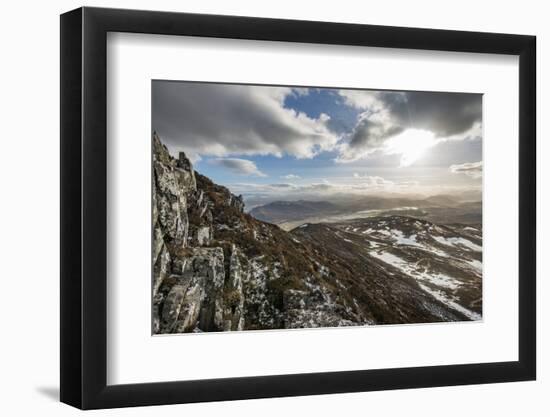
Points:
x=218, y=269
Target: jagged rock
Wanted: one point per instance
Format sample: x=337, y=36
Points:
x=184, y=163
x=171, y=186
x=157, y=300
x=203, y=235
x=186, y=179
x=178, y=265
x=307, y=309
x=295, y=299
x=234, y=296
x=189, y=311
x=236, y=202
x=172, y=307
x=261, y=306
x=160, y=268
x=207, y=269
x=158, y=242
x=160, y=153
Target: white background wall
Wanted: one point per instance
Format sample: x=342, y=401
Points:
x=29, y=225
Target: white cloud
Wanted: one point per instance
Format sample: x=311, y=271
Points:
x=364, y=181
x=471, y=169
x=291, y=177
x=366, y=184
x=222, y=120
x=298, y=91
x=364, y=99
x=239, y=166
x=376, y=182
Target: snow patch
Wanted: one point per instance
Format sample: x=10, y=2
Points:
x=476, y=264
x=391, y=259
x=454, y=241
x=403, y=240
x=423, y=278
x=440, y=296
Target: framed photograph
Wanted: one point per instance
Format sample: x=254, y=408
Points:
x=258, y=208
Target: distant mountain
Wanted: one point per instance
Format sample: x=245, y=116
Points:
x=441, y=201
x=284, y=211
x=217, y=268
x=439, y=208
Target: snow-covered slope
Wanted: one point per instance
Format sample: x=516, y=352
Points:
x=445, y=261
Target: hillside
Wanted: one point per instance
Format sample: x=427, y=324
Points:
x=444, y=261
x=217, y=268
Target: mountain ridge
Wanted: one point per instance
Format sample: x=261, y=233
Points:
x=217, y=268
x=288, y=214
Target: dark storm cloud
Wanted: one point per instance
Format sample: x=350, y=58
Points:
x=222, y=119
x=372, y=134
x=445, y=114
x=386, y=114
x=451, y=152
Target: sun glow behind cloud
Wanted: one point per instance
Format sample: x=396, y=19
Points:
x=411, y=145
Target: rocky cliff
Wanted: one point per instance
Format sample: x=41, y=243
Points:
x=217, y=268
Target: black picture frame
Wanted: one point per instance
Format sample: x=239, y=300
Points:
x=84, y=207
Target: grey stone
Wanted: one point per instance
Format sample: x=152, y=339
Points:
x=172, y=307
x=203, y=235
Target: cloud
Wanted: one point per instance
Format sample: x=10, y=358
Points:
x=368, y=136
x=222, y=120
x=471, y=169
x=291, y=177
x=375, y=182
x=299, y=91
x=385, y=114
x=317, y=189
x=238, y=166
x=369, y=181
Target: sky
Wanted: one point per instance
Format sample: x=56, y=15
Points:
x=287, y=143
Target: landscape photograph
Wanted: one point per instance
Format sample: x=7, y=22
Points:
x=284, y=207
